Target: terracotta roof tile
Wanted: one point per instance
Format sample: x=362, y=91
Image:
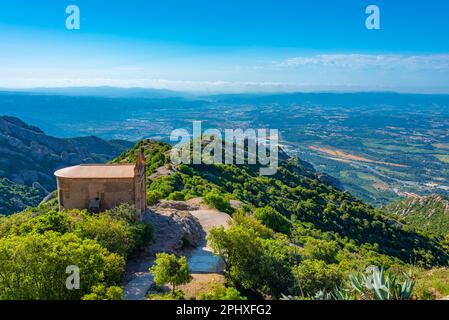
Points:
x=100, y=171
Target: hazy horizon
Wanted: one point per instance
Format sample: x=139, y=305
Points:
x=353, y=90
x=227, y=47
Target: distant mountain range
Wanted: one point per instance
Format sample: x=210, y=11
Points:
x=104, y=91
x=29, y=158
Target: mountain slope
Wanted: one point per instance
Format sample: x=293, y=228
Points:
x=29, y=157
x=15, y=197
x=429, y=214
x=293, y=234
x=297, y=193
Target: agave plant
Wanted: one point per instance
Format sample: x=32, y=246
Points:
x=380, y=285
x=375, y=284
x=323, y=295
x=342, y=294
x=285, y=297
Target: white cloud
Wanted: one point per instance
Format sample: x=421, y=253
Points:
x=436, y=62
x=322, y=72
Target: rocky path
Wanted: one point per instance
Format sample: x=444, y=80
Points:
x=178, y=224
x=202, y=259
x=139, y=284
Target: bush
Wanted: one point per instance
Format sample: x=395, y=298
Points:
x=49, y=221
x=185, y=169
x=124, y=211
x=215, y=200
x=11, y=225
x=317, y=249
x=143, y=233
x=220, y=292
x=114, y=235
x=116, y=229
x=249, y=222
x=273, y=219
x=102, y=292
x=175, y=295
x=33, y=267
x=41, y=242
x=315, y=275
x=167, y=269
x=176, y=196
x=153, y=197
x=252, y=262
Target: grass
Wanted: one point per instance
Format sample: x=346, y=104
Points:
x=432, y=284
x=201, y=283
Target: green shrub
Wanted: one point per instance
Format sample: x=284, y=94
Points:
x=249, y=222
x=174, y=295
x=315, y=275
x=273, y=219
x=41, y=242
x=215, y=200
x=143, y=233
x=153, y=197
x=176, y=196
x=168, y=269
x=102, y=292
x=220, y=292
x=48, y=221
x=254, y=263
x=124, y=211
x=33, y=266
x=114, y=235
x=317, y=249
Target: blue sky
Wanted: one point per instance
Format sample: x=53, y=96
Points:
x=227, y=46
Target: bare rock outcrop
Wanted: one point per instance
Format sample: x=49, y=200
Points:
x=177, y=229
x=176, y=205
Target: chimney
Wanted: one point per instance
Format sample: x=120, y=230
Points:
x=140, y=182
x=140, y=158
